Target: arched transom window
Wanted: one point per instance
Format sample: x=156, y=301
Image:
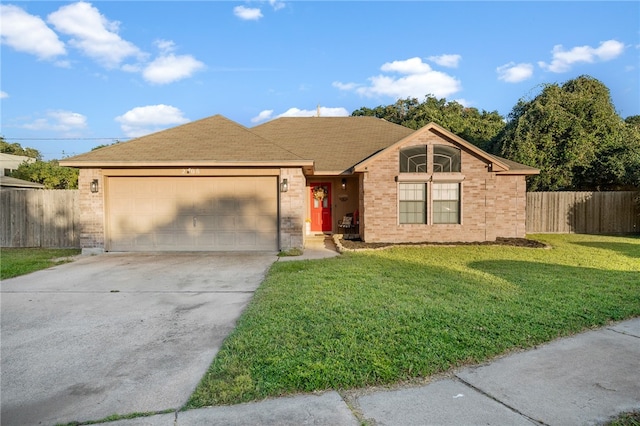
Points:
x=446, y=159
x=413, y=159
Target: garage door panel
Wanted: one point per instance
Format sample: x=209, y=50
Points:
x=266, y=223
x=226, y=204
x=166, y=239
x=247, y=238
x=225, y=239
x=206, y=222
x=225, y=221
x=183, y=222
x=192, y=213
x=145, y=241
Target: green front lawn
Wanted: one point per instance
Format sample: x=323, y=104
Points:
x=20, y=261
x=387, y=316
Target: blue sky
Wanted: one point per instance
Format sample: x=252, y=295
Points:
x=75, y=75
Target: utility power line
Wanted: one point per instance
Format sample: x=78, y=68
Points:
x=62, y=139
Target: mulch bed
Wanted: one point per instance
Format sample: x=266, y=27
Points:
x=513, y=242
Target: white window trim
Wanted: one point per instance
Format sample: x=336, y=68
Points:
x=422, y=178
x=460, y=202
x=413, y=177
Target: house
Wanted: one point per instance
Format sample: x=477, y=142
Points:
x=10, y=162
x=215, y=185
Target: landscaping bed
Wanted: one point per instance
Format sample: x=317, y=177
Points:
x=513, y=242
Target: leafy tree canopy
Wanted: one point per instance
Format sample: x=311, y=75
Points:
x=17, y=149
x=573, y=134
x=477, y=127
x=633, y=120
x=48, y=173
x=104, y=145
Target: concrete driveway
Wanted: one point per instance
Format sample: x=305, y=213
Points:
x=117, y=333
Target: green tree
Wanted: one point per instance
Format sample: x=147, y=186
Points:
x=471, y=124
x=17, y=149
x=572, y=133
x=104, y=145
x=48, y=173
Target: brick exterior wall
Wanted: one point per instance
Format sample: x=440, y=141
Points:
x=492, y=205
x=91, y=210
x=292, y=209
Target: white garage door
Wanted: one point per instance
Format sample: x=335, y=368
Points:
x=192, y=213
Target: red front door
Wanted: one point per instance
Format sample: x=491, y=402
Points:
x=321, y=207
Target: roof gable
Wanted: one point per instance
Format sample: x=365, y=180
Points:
x=498, y=164
x=212, y=140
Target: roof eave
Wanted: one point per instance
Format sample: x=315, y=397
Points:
x=519, y=172
x=184, y=163
x=332, y=172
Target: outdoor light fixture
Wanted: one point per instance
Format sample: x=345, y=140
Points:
x=344, y=183
x=284, y=185
x=94, y=186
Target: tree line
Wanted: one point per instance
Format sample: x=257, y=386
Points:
x=570, y=131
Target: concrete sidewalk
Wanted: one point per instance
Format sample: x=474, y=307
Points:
x=580, y=380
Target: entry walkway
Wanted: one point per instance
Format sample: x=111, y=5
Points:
x=316, y=247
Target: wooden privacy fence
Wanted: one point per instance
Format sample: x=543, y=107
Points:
x=39, y=218
x=582, y=212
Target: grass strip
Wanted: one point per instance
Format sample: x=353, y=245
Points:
x=117, y=417
x=21, y=261
x=387, y=316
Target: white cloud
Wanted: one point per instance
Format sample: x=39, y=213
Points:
x=93, y=34
x=465, y=103
x=324, y=112
x=564, y=59
x=277, y=5
x=344, y=86
x=296, y=112
x=420, y=81
x=141, y=121
x=3, y=94
x=59, y=121
x=263, y=116
x=408, y=66
x=247, y=13
x=165, y=46
x=170, y=68
x=28, y=33
x=514, y=73
x=450, y=61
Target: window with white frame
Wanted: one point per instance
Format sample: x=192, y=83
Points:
x=413, y=203
x=446, y=202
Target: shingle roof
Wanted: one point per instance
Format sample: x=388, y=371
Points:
x=214, y=139
x=335, y=143
x=331, y=145
x=516, y=168
x=11, y=182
